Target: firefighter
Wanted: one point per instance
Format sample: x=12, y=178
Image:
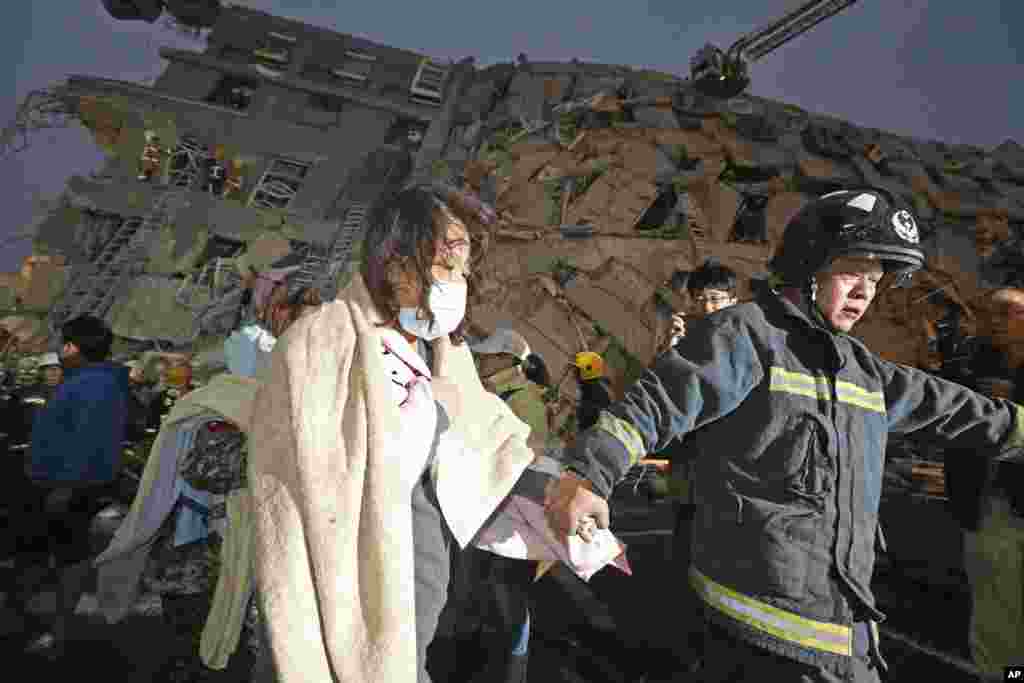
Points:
x=216, y=171
x=988, y=499
x=151, y=161
x=791, y=415
x=595, y=393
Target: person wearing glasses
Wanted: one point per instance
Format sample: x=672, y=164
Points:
x=711, y=288
x=374, y=448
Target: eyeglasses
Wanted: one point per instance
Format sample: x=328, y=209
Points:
x=713, y=299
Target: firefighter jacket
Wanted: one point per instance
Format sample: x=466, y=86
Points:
x=791, y=424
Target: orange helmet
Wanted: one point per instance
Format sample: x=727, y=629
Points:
x=591, y=365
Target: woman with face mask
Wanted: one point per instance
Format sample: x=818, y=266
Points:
x=374, y=448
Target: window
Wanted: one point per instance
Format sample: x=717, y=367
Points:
x=751, y=224
x=276, y=51
x=279, y=184
x=355, y=69
x=232, y=92
x=428, y=83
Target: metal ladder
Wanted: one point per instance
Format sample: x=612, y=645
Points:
x=320, y=269
x=95, y=287
x=217, y=279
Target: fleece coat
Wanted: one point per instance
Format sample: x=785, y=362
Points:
x=332, y=474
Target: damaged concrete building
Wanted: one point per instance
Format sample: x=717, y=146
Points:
x=611, y=183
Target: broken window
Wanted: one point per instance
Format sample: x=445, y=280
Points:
x=428, y=83
x=276, y=51
x=233, y=92
x=279, y=184
x=661, y=212
x=187, y=161
x=356, y=68
x=750, y=224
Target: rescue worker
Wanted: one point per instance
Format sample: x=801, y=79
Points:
x=711, y=288
x=791, y=416
x=595, y=393
x=987, y=499
x=152, y=159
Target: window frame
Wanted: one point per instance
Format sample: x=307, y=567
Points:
x=431, y=96
x=354, y=77
x=275, y=180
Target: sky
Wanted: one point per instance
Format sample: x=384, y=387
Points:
x=934, y=69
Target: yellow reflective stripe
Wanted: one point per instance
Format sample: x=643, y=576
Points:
x=859, y=396
x=1016, y=439
x=802, y=384
x=34, y=401
x=624, y=432
x=798, y=383
x=819, y=635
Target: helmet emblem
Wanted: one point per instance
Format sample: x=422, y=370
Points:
x=865, y=201
x=905, y=226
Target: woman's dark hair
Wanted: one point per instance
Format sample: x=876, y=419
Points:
x=536, y=370
x=404, y=230
x=91, y=335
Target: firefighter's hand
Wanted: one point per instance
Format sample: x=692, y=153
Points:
x=572, y=508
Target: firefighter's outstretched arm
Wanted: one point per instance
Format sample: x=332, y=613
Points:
x=938, y=410
x=712, y=370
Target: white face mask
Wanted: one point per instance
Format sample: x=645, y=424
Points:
x=447, y=301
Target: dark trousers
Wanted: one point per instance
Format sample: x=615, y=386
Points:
x=432, y=565
x=689, y=605
x=501, y=589
x=727, y=658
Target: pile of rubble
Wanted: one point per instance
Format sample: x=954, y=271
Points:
x=612, y=183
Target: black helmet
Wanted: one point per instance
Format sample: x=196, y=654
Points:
x=867, y=222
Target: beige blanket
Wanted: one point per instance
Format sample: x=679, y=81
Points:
x=332, y=480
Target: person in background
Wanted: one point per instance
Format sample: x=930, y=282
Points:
x=711, y=288
x=30, y=542
x=502, y=584
x=792, y=415
x=29, y=400
x=146, y=399
x=987, y=499
x=74, y=459
x=595, y=393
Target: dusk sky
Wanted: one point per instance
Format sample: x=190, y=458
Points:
x=934, y=69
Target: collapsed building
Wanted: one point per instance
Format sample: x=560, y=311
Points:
x=265, y=149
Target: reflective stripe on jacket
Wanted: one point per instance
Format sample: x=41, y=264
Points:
x=793, y=422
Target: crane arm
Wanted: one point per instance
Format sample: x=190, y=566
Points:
x=757, y=44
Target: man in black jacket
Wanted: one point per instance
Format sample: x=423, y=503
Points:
x=791, y=416
x=712, y=287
